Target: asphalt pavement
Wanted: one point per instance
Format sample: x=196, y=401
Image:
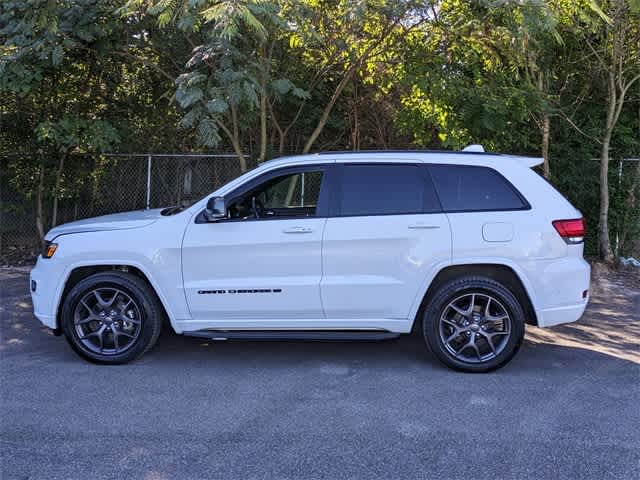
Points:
x=568, y=406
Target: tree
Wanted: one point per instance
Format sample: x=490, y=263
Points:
x=340, y=38
x=44, y=44
x=616, y=60
x=228, y=75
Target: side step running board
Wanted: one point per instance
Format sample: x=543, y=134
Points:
x=305, y=335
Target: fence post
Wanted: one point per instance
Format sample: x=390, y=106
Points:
x=148, y=182
x=618, y=222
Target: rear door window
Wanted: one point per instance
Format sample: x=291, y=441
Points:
x=385, y=189
x=467, y=188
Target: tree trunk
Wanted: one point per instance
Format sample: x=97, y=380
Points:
x=263, y=124
x=234, y=138
x=56, y=191
x=546, y=135
x=39, y=209
x=603, y=227
x=281, y=146
x=327, y=110
x=241, y=158
x=604, y=240
x=546, y=128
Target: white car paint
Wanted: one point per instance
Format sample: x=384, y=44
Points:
x=338, y=273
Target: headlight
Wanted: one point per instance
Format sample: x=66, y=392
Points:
x=49, y=249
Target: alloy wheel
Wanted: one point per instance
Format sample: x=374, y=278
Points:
x=475, y=327
x=107, y=321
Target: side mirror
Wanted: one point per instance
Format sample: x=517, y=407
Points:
x=216, y=209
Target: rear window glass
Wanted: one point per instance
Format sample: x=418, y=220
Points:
x=471, y=188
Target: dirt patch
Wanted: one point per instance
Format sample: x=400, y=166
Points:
x=628, y=275
x=611, y=323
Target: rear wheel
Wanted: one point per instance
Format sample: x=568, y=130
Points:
x=111, y=318
x=474, y=324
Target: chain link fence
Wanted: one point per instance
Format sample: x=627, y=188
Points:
x=37, y=194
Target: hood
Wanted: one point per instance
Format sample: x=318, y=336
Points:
x=116, y=221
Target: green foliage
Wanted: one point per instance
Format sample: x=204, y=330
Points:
x=81, y=76
x=78, y=135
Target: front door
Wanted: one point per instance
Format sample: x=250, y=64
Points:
x=262, y=264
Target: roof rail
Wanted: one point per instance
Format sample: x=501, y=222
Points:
x=451, y=152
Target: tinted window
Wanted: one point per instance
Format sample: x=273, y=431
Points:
x=385, y=189
x=289, y=191
x=288, y=195
x=472, y=188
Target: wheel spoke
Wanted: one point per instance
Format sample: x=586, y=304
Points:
x=486, y=308
x=493, y=334
x=475, y=345
x=469, y=309
x=456, y=333
x=103, y=303
x=114, y=332
x=451, y=323
x=128, y=319
x=123, y=308
x=90, y=318
x=465, y=346
x=496, y=318
x=84, y=304
x=489, y=339
x=98, y=334
x=458, y=309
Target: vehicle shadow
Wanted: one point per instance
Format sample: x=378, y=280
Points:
x=569, y=350
x=610, y=329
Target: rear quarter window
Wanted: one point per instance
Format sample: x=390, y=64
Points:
x=467, y=188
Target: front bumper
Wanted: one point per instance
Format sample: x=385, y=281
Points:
x=45, y=277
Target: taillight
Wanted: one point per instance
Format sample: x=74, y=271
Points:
x=571, y=231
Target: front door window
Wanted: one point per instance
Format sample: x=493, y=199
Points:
x=285, y=196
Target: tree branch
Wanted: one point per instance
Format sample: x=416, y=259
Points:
x=578, y=129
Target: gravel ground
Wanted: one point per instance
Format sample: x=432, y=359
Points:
x=568, y=406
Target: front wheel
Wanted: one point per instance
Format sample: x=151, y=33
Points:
x=111, y=318
x=474, y=324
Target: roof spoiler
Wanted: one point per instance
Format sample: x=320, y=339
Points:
x=526, y=161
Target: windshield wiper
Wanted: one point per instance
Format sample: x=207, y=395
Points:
x=171, y=210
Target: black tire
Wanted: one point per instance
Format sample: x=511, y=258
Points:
x=150, y=312
x=463, y=287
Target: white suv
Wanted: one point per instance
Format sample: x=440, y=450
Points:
x=464, y=247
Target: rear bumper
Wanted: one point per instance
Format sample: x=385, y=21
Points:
x=562, y=291
x=556, y=316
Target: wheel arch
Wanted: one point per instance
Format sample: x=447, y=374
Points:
x=503, y=273
x=78, y=273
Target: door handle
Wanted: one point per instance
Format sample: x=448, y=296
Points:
x=297, y=230
x=423, y=226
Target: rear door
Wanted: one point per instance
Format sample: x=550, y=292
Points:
x=387, y=232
